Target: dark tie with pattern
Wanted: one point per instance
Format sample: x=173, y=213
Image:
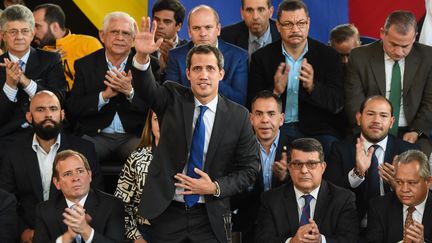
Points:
x=395, y=96
x=304, y=218
x=373, y=178
x=409, y=219
x=196, y=153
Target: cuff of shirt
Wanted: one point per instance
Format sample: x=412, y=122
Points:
x=142, y=67
x=90, y=239
x=354, y=180
x=31, y=89
x=10, y=92
x=101, y=101
x=287, y=241
x=323, y=239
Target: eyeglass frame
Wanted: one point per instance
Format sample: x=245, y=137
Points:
x=310, y=164
x=14, y=32
x=290, y=25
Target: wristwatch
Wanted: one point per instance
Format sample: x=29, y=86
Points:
x=419, y=133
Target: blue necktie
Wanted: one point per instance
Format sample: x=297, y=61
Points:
x=373, y=176
x=196, y=154
x=21, y=64
x=304, y=218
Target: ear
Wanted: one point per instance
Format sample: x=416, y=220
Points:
x=242, y=13
x=392, y=121
x=358, y=118
x=187, y=73
x=382, y=33
x=178, y=27
x=90, y=174
x=56, y=183
x=102, y=36
x=62, y=115
x=271, y=9
x=219, y=29
x=281, y=119
x=221, y=73
x=29, y=117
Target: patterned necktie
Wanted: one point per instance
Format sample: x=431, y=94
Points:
x=395, y=96
x=305, y=216
x=196, y=154
x=21, y=64
x=255, y=46
x=409, y=219
x=373, y=175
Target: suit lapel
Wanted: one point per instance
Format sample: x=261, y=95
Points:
x=377, y=65
x=412, y=62
x=291, y=208
x=32, y=65
x=32, y=166
x=60, y=207
x=222, y=120
x=91, y=204
x=321, y=203
x=188, y=113
x=427, y=218
x=395, y=232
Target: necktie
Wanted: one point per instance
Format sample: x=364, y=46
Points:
x=304, y=218
x=196, y=154
x=255, y=46
x=373, y=175
x=21, y=64
x=409, y=219
x=78, y=238
x=395, y=96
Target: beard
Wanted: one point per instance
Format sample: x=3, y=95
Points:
x=47, y=40
x=47, y=132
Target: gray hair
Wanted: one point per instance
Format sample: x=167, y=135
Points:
x=403, y=21
x=119, y=15
x=17, y=13
x=410, y=156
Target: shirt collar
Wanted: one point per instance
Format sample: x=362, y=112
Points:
x=286, y=54
x=81, y=202
x=299, y=193
x=382, y=143
x=36, y=146
x=23, y=58
x=261, y=39
x=275, y=141
x=122, y=64
x=420, y=207
x=211, y=105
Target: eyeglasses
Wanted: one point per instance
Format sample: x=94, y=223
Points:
x=289, y=25
x=117, y=33
x=14, y=32
x=310, y=165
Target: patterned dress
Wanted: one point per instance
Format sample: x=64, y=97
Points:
x=129, y=188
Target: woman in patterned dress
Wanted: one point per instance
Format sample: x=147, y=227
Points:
x=132, y=179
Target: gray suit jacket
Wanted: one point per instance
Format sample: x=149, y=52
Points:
x=366, y=77
x=232, y=156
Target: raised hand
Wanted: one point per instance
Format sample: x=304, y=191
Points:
x=144, y=40
x=281, y=78
x=307, y=76
x=363, y=160
x=201, y=186
x=280, y=168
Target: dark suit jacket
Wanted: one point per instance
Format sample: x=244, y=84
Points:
x=238, y=34
x=366, y=77
x=232, y=155
x=8, y=217
x=317, y=110
x=234, y=84
x=43, y=67
x=385, y=219
x=20, y=174
x=248, y=202
x=342, y=160
x=335, y=214
x=82, y=103
x=106, y=211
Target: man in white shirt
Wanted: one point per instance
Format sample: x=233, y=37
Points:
x=404, y=215
x=308, y=209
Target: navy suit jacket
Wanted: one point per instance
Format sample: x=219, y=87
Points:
x=232, y=155
x=385, y=220
x=43, y=67
x=335, y=214
x=233, y=85
x=317, y=111
x=106, y=211
x=342, y=160
x=20, y=174
x=238, y=34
